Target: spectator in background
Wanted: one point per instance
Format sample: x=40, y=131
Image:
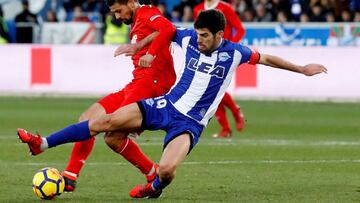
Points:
x=346, y=16
x=51, y=16
x=281, y=5
x=79, y=15
x=247, y=15
x=304, y=18
x=240, y=6
x=296, y=9
x=281, y=17
x=176, y=14
x=317, y=14
x=116, y=32
x=357, y=16
x=24, y=33
x=4, y=35
x=91, y=6
x=329, y=16
x=187, y=14
x=162, y=7
x=261, y=14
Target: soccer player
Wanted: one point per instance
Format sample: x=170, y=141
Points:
x=186, y=109
x=234, y=31
x=147, y=82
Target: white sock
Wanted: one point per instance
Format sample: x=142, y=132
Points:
x=44, y=145
x=151, y=171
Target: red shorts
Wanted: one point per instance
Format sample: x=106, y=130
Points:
x=137, y=89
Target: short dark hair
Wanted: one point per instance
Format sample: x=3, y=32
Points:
x=112, y=2
x=211, y=19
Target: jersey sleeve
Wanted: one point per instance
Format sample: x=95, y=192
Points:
x=248, y=55
x=166, y=32
x=235, y=23
x=181, y=33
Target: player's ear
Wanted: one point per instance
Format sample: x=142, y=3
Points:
x=131, y=3
x=220, y=34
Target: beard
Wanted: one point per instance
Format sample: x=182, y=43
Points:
x=129, y=21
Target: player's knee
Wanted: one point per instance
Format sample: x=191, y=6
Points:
x=114, y=140
x=83, y=117
x=167, y=172
x=104, y=123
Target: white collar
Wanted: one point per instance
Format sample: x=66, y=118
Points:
x=207, y=7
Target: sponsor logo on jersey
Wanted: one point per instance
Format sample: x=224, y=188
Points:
x=152, y=18
x=194, y=48
x=223, y=56
x=150, y=102
x=217, y=71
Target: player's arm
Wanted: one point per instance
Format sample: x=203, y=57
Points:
x=254, y=57
x=235, y=23
x=131, y=49
x=182, y=33
x=277, y=62
x=166, y=31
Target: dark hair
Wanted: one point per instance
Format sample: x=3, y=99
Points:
x=112, y=2
x=211, y=19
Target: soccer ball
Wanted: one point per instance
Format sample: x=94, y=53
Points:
x=48, y=183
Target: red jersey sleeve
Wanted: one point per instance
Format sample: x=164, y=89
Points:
x=254, y=57
x=234, y=21
x=165, y=28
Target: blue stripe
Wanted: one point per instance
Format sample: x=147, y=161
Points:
x=201, y=107
x=186, y=79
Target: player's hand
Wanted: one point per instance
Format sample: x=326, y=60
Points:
x=146, y=60
x=313, y=69
x=127, y=49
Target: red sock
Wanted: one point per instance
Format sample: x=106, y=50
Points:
x=79, y=154
x=230, y=103
x=220, y=115
x=132, y=152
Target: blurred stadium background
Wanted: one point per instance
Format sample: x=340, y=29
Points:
x=301, y=141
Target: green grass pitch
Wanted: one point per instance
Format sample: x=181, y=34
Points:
x=289, y=152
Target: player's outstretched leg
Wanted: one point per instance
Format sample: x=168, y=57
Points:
x=128, y=117
x=174, y=153
x=73, y=133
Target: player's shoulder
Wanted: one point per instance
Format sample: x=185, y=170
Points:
x=148, y=11
x=200, y=6
x=186, y=31
x=231, y=46
x=224, y=6
x=148, y=8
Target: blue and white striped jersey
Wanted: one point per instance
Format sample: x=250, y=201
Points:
x=205, y=78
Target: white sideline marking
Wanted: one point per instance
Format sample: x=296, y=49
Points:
x=246, y=142
x=226, y=162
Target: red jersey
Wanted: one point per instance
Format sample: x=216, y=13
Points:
x=232, y=20
x=148, y=19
